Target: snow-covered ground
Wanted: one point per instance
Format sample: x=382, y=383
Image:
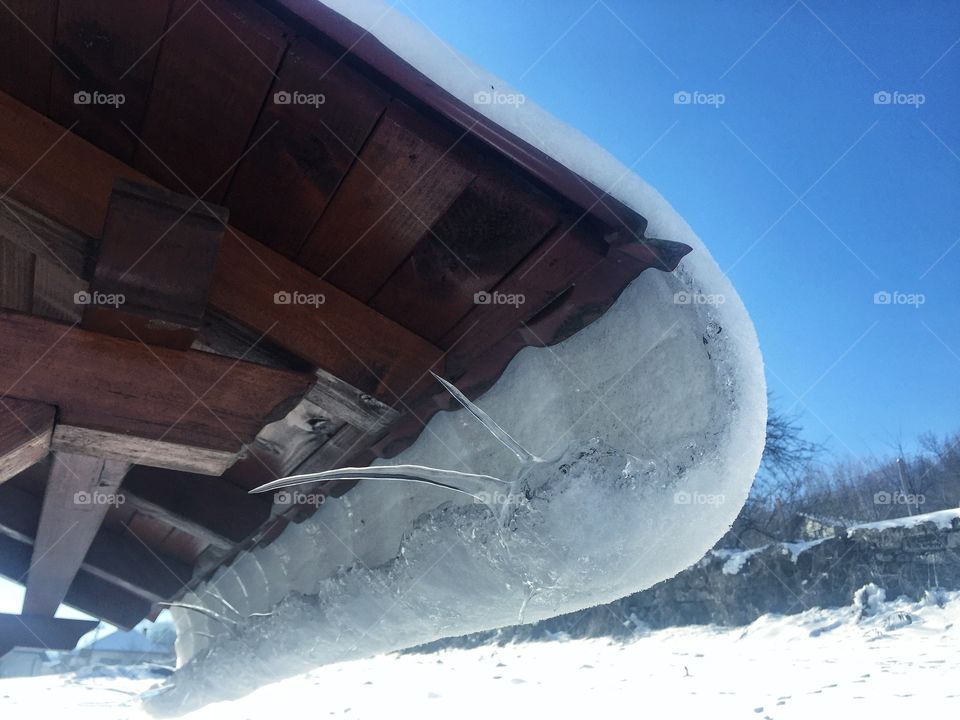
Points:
x=901, y=661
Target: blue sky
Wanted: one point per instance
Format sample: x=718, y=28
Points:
x=812, y=197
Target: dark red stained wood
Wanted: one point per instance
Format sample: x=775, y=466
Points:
x=340, y=335
x=209, y=501
x=26, y=38
x=409, y=81
x=216, y=66
x=571, y=250
x=112, y=46
x=407, y=175
x=122, y=386
x=157, y=255
x=283, y=185
x=494, y=223
x=25, y=429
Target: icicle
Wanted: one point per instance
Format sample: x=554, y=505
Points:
x=498, y=432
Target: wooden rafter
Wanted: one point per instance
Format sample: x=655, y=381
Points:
x=25, y=429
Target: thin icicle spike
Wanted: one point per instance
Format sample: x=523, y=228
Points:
x=488, y=422
x=481, y=487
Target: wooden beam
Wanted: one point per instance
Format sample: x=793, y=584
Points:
x=79, y=492
x=37, y=234
x=71, y=185
x=16, y=277
x=25, y=429
x=343, y=402
x=155, y=263
x=140, y=451
x=122, y=560
x=87, y=593
x=38, y=631
x=215, y=511
x=124, y=387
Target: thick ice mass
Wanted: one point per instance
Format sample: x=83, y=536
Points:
x=652, y=420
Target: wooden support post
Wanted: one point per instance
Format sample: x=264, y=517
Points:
x=79, y=492
x=25, y=429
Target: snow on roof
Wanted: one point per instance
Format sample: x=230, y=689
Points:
x=941, y=518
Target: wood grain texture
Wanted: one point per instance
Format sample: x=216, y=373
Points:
x=283, y=185
x=216, y=66
x=407, y=175
x=121, y=386
x=25, y=430
x=111, y=48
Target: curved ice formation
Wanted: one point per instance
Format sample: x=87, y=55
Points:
x=656, y=412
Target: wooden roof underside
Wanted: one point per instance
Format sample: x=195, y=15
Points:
x=390, y=199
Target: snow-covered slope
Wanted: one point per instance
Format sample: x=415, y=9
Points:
x=651, y=421
x=900, y=662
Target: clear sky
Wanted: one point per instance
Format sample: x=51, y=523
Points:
x=810, y=195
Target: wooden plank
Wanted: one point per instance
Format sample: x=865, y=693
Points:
x=79, y=490
x=37, y=631
x=407, y=175
x=216, y=66
x=347, y=404
x=571, y=250
x=209, y=508
x=87, y=593
x=403, y=80
x=340, y=335
x=26, y=41
x=141, y=451
x=121, y=560
x=122, y=386
x=47, y=239
x=25, y=429
x=55, y=292
x=283, y=185
x=111, y=48
x=16, y=277
x=154, y=267
x=492, y=225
